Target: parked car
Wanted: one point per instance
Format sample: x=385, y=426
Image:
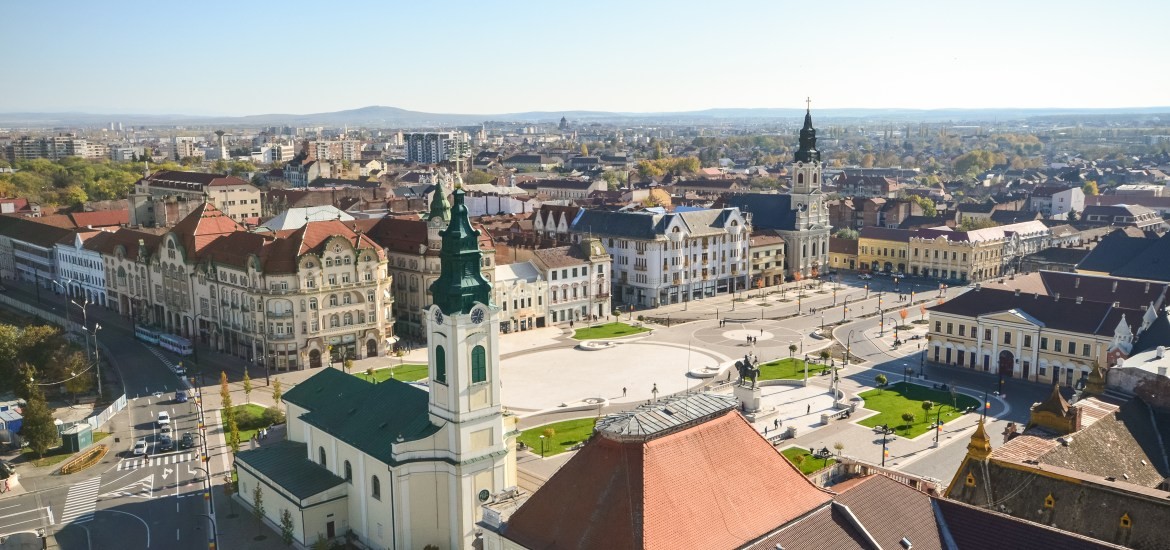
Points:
x=140, y=447
x=180, y=396
x=166, y=444
x=865, y=276
x=164, y=419
x=187, y=441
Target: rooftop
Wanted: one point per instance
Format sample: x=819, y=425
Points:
x=287, y=464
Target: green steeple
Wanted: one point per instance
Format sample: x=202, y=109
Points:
x=439, y=206
x=460, y=284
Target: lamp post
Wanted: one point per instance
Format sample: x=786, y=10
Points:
x=806, y=370
x=834, y=295
x=845, y=309
x=654, y=392
x=541, y=445
x=848, y=346
x=938, y=423
x=866, y=291
x=986, y=405
x=881, y=316
x=822, y=322
x=886, y=431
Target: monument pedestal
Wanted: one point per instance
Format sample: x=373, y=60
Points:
x=748, y=397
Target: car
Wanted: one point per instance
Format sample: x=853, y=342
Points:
x=164, y=419
x=180, y=396
x=187, y=441
x=165, y=444
x=865, y=276
x=179, y=370
x=166, y=430
x=140, y=447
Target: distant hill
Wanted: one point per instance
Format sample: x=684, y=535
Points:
x=394, y=117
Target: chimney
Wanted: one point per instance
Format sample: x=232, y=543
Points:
x=1114, y=286
x=1077, y=284
x=1017, y=292
x=1161, y=352
x=1057, y=297
x=1079, y=299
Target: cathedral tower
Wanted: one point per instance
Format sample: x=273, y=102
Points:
x=808, y=242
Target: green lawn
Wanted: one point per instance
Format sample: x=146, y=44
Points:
x=609, y=330
x=245, y=433
x=792, y=369
x=805, y=460
x=567, y=434
x=52, y=457
x=901, y=398
x=403, y=373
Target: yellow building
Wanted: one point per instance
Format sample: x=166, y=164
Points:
x=767, y=251
x=842, y=253
x=966, y=256
x=883, y=249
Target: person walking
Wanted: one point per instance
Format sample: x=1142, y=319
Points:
x=623, y=392
x=776, y=423
x=808, y=409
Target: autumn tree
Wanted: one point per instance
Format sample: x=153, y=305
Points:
x=247, y=387
x=277, y=394
x=1090, y=188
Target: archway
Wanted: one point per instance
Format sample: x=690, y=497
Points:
x=372, y=348
x=1007, y=362
x=314, y=359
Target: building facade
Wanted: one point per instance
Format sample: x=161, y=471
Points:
x=81, y=269
x=163, y=198
x=964, y=256
x=578, y=279
x=668, y=258
x=767, y=250
x=520, y=291
x=438, y=147
x=883, y=249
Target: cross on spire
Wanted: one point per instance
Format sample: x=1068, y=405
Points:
x=808, y=104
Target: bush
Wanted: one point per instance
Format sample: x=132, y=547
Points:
x=273, y=415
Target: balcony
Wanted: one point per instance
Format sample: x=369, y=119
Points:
x=639, y=268
x=281, y=337
x=278, y=314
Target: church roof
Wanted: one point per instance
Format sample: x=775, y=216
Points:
x=461, y=283
x=369, y=417
x=667, y=492
x=768, y=211
x=287, y=464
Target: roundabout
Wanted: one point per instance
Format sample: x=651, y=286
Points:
x=769, y=335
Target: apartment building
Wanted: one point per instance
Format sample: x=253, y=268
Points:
x=54, y=148
x=578, y=277
x=962, y=256
x=767, y=250
x=438, y=147
x=290, y=299
x=163, y=198
x=520, y=291
x=1056, y=201
x=883, y=249
x=668, y=258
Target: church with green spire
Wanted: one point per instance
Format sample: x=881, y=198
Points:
x=461, y=284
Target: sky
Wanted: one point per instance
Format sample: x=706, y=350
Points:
x=244, y=57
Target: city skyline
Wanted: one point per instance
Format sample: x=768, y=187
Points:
x=233, y=60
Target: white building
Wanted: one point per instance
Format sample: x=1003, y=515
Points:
x=520, y=291
x=489, y=200
x=397, y=465
x=667, y=258
x=1055, y=202
x=81, y=269
x=578, y=279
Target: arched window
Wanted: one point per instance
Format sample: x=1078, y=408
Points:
x=370, y=296
x=361, y=318
x=348, y=472
x=328, y=262
x=440, y=365
x=815, y=178
x=800, y=178
x=478, y=365
x=321, y=456
x=333, y=299
x=348, y=319
x=312, y=303
x=333, y=320
x=302, y=306
x=376, y=488
x=346, y=299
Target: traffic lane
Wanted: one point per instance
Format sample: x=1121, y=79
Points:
x=23, y=513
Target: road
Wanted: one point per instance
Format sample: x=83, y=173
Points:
x=126, y=501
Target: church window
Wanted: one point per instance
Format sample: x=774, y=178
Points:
x=321, y=456
x=348, y=472
x=478, y=365
x=440, y=365
x=815, y=178
x=800, y=178
x=376, y=487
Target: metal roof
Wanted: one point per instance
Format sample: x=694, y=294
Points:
x=664, y=416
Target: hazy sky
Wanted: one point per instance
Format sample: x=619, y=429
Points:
x=254, y=57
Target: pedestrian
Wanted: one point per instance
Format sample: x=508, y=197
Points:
x=623, y=392
x=808, y=409
x=761, y=332
x=776, y=422
x=765, y=431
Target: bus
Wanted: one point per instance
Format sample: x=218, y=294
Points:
x=176, y=344
x=146, y=334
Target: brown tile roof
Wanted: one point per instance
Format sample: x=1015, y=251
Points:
x=827, y=527
x=887, y=234
x=892, y=511
x=1064, y=314
x=402, y=235
x=34, y=230
x=203, y=225
x=190, y=180
x=102, y=218
x=668, y=492
x=561, y=256
x=106, y=242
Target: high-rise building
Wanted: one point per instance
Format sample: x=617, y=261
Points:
x=436, y=147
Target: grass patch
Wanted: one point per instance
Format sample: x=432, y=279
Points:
x=791, y=369
x=565, y=435
x=804, y=460
x=900, y=398
x=402, y=373
x=608, y=330
x=249, y=419
x=52, y=457
x=98, y=436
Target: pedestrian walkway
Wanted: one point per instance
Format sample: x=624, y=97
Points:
x=135, y=463
x=81, y=501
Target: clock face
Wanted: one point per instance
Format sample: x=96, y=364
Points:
x=438, y=316
x=477, y=316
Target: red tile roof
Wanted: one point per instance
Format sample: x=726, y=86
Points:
x=717, y=484
x=203, y=226
x=101, y=218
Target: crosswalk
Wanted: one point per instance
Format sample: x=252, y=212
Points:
x=81, y=501
x=135, y=463
x=162, y=357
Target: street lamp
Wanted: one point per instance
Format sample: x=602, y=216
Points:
x=822, y=323
x=848, y=346
x=886, y=432
x=882, y=316
x=541, y=445
x=907, y=370
x=938, y=423
x=845, y=308
x=654, y=392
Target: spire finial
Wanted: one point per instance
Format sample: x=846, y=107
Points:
x=980, y=446
x=808, y=104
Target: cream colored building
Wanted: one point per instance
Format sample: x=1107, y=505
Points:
x=288, y=299
x=520, y=291
x=767, y=252
x=965, y=256
x=397, y=465
x=163, y=198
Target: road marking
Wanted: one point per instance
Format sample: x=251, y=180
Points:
x=144, y=486
x=167, y=472
x=139, y=519
x=176, y=534
x=50, y=511
x=81, y=501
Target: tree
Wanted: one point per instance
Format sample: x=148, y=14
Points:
x=584, y=150
x=846, y=233
x=370, y=372
x=908, y=418
x=926, y=204
x=839, y=447
x=225, y=395
x=247, y=387
x=286, y=527
x=825, y=356
x=276, y=391
x=926, y=406
x=38, y=428
x=791, y=350
x=548, y=433
x=1090, y=188
x=322, y=543
x=80, y=383
x=258, y=506
x=1073, y=215
x=347, y=364
x=478, y=177
x=922, y=312
x=881, y=381
x=903, y=314
x=233, y=434
x=79, y=380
